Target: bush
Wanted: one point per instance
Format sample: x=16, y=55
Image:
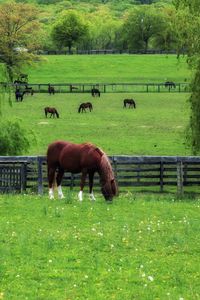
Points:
x=13, y=139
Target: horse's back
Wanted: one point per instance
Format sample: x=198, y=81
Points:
x=73, y=157
x=53, y=151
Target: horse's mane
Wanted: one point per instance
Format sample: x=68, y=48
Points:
x=106, y=168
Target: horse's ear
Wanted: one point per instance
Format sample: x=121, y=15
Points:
x=114, y=187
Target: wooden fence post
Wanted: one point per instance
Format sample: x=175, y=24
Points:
x=114, y=159
x=161, y=175
x=40, y=177
x=180, y=178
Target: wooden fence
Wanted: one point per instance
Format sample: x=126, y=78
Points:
x=108, y=87
x=105, y=51
x=156, y=173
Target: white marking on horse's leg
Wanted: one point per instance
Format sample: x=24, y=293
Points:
x=51, y=195
x=60, y=193
x=92, y=197
x=80, y=196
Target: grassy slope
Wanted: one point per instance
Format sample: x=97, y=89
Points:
x=156, y=127
x=137, y=248
x=109, y=68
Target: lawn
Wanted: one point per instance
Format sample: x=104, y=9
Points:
x=140, y=247
x=109, y=69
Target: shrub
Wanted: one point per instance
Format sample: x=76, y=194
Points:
x=13, y=139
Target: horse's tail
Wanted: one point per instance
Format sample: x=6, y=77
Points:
x=45, y=111
x=99, y=93
x=134, y=104
x=124, y=103
x=79, y=110
x=57, y=114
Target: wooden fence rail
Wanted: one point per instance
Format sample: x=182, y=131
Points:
x=107, y=87
x=105, y=51
x=29, y=173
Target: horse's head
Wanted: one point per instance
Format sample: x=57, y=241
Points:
x=109, y=190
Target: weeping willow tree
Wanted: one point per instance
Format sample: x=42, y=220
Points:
x=188, y=32
x=19, y=36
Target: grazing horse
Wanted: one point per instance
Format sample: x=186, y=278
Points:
x=130, y=102
x=51, y=110
x=19, y=95
x=83, y=158
x=51, y=90
x=84, y=106
x=170, y=84
x=95, y=92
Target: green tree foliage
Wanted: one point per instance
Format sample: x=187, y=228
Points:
x=13, y=139
x=140, y=26
x=166, y=38
x=188, y=31
x=69, y=30
x=103, y=29
x=19, y=29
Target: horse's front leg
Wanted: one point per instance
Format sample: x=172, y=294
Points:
x=58, y=181
x=91, y=180
x=83, y=178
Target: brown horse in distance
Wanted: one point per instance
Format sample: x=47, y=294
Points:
x=83, y=158
x=129, y=102
x=51, y=110
x=84, y=106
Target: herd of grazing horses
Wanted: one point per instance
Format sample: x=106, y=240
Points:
x=85, y=158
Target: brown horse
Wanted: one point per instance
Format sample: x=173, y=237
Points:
x=130, y=102
x=51, y=110
x=80, y=158
x=84, y=106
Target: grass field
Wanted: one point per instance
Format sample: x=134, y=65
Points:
x=155, y=127
x=109, y=69
x=142, y=247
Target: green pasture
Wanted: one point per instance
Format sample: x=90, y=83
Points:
x=140, y=247
x=155, y=127
x=109, y=69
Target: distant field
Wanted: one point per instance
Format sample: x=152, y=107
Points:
x=109, y=69
x=156, y=127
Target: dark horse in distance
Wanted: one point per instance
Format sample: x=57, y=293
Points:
x=95, y=92
x=83, y=158
x=170, y=84
x=129, y=102
x=84, y=106
x=51, y=110
x=19, y=95
x=51, y=89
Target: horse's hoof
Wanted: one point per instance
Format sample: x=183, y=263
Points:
x=92, y=198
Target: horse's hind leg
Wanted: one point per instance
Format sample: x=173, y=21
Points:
x=51, y=177
x=91, y=178
x=58, y=180
x=83, y=178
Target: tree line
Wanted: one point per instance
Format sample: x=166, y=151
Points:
x=142, y=28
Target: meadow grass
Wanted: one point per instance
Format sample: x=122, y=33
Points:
x=155, y=127
x=109, y=69
x=140, y=247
